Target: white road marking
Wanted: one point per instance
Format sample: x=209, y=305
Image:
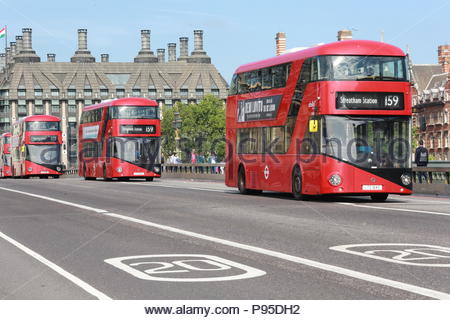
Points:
x=160, y=267
x=56, y=200
x=414, y=254
x=315, y=264
x=394, y=209
x=83, y=285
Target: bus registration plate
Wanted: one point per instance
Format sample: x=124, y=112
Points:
x=372, y=187
x=138, y=173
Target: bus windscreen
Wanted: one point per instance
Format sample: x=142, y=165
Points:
x=42, y=126
x=133, y=112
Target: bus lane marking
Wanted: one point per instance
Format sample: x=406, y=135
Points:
x=184, y=268
x=303, y=261
x=394, y=209
x=423, y=255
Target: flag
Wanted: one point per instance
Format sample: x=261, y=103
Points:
x=3, y=33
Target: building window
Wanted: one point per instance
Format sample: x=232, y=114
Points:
x=120, y=93
x=136, y=92
x=38, y=109
x=54, y=92
x=167, y=92
x=21, y=110
x=215, y=92
x=88, y=92
x=199, y=92
x=71, y=92
x=21, y=92
x=184, y=92
x=152, y=93
x=38, y=92
x=56, y=109
x=103, y=93
x=72, y=108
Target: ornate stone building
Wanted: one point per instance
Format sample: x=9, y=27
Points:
x=431, y=102
x=29, y=86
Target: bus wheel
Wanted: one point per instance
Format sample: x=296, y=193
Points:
x=297, y=184
x=104, y=174
x=241, y=181
x=149, y=179
x=379, y=196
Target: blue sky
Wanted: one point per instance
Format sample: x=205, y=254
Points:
x=235, y=31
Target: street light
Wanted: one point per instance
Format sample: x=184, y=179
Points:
x=177, y=125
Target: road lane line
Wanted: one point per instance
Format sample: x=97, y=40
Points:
x=394, y=209
x=83, y=285
x=315, y=264
x=56, y=200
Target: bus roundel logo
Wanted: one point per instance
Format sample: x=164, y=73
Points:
x=266, y=172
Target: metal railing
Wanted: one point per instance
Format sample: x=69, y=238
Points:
x=195, y=168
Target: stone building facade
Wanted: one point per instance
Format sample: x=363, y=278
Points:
x=29, y=86
x=431, y=104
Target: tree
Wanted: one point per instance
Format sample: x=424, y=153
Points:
x=203, y=127
x=168, y=134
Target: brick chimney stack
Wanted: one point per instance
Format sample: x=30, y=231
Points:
x=344, y=35
x=280, y=40
x=444, y=57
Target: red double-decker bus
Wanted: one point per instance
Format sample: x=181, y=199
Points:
x=120, y=139
x=332, y=119
x=36, y=147
x=5, y=155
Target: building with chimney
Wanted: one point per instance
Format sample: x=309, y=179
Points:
x=29, y=86
x=431, y=103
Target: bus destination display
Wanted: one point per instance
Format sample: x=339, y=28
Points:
x=41, y=139
x=137, y=129
x=258, y=109
x=369, y=101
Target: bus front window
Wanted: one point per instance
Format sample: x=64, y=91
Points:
x=362, y=68
x=137, y=150
x=43, y=154
x=368, y=142
x=42, y=126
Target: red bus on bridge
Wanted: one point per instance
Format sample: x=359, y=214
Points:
x=36, y=147
x=5, y=155
x=120, y=139
x=332, y=119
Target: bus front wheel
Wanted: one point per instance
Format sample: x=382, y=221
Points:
x=297, y=184
x=149, y=179
x=241, y=182
x=379, y=196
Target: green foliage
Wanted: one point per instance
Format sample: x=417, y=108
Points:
x=203, y=127
x=168, y=131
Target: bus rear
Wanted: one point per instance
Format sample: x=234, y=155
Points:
x=123, y=141
x=36, y=147
x=5, y=155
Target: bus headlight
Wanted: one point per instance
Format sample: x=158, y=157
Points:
x=58, y=168
x=406, y=179
x=335, y=180
x=156, y=169
x=119, y=170
x=30, y=169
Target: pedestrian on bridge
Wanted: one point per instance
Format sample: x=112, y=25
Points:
x=421, y=160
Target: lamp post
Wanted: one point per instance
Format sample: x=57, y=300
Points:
x=177, y=125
